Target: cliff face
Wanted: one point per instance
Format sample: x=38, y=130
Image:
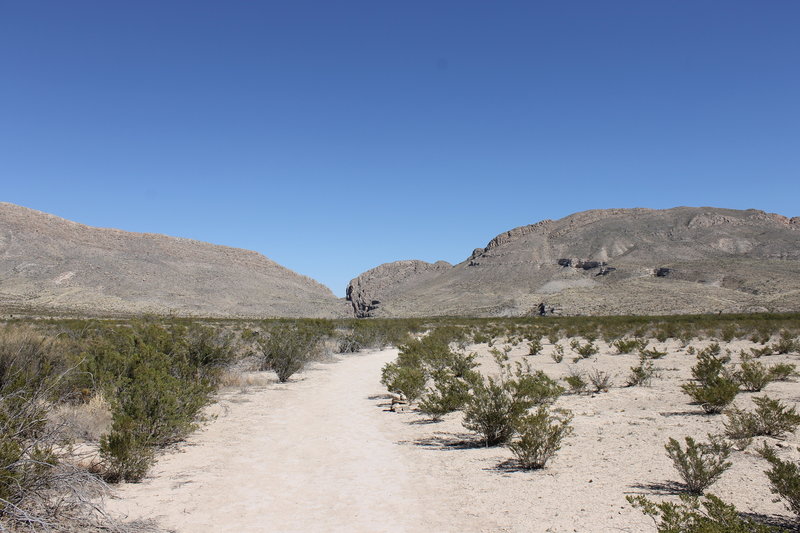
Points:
x=616, y=261
x=366, y=292
x=49, y=263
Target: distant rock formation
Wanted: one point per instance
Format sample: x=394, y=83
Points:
x=612, y=261
x=49, y=264
x=366, y=292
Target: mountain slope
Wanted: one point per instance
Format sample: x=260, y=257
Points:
x=51, y=264
x=615, y=261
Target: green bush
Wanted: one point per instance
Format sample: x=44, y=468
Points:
x=450, y=389
x=651, y=353
x=785, y=344
x=784, y=479
x=782, y=371
x=290, y=346
x=700, y=464
x=584, y=350
x=771, y=418
x=713, y=397
x=713, y=391
x=624, y=346
x=539, y=436
x=642, y=374
x=495, y=406
x=692, y=515
x=493, y=411
x=753, y=375
x=534, y=347
x=574, y=379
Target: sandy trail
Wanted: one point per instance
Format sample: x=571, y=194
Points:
x=309, y=455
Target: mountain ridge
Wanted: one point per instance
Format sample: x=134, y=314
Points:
x=583, y=263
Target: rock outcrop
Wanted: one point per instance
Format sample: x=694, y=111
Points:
x=49, y=264
x=366, y=292
x=614, y=261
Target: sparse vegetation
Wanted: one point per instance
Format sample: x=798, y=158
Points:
x=713, y=389
x=696, y=515
x=771, y=418
x=642, y=374
x=539, y=436
x=784, y=479
x=699, y=464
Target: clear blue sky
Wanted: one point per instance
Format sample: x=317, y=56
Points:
x=335, y=136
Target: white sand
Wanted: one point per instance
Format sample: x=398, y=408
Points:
x=322, y=453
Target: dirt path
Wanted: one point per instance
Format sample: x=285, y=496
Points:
x=315, y=454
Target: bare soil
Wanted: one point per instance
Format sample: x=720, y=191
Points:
x=324, y=453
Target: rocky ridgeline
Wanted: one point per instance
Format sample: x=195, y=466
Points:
x=615, y=261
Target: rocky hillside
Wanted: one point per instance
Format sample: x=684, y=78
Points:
x=617, y=261
x=51, y=264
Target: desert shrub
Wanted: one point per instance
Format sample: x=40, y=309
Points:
x=624, y=346
x=575, y=380
x=714, y=390
x=554, y=336
x=714, y=396
x=753, y=376
x=534, y=347
x=782, y=371
x=651, y=353
x=700, y=464
x=760, y=352
x=495, y=406
x=348, y=343
x=539, y=436
x=693, y=515
x=691, y=350
x=771, y=418
x=785, y=344
x=710, y=350
x=407, y=380
x=584, y=350
x=492, y=411
x=558, y=353
x=601, y=381
x=784, y=479
x=642, y=374
x=157, y=378
x=290, y=346
x=431, y=360
x=451, y=385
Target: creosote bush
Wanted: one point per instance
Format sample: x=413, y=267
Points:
x=699, y=464
x=625, y=346
x=539, y=436
x=771, y=418
x=713, y=389
x=695, y=515
x=642, y=375
x=496, y=406
x=753, y=375
x=290, y=346
x=601, y=381
x=784, y=479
